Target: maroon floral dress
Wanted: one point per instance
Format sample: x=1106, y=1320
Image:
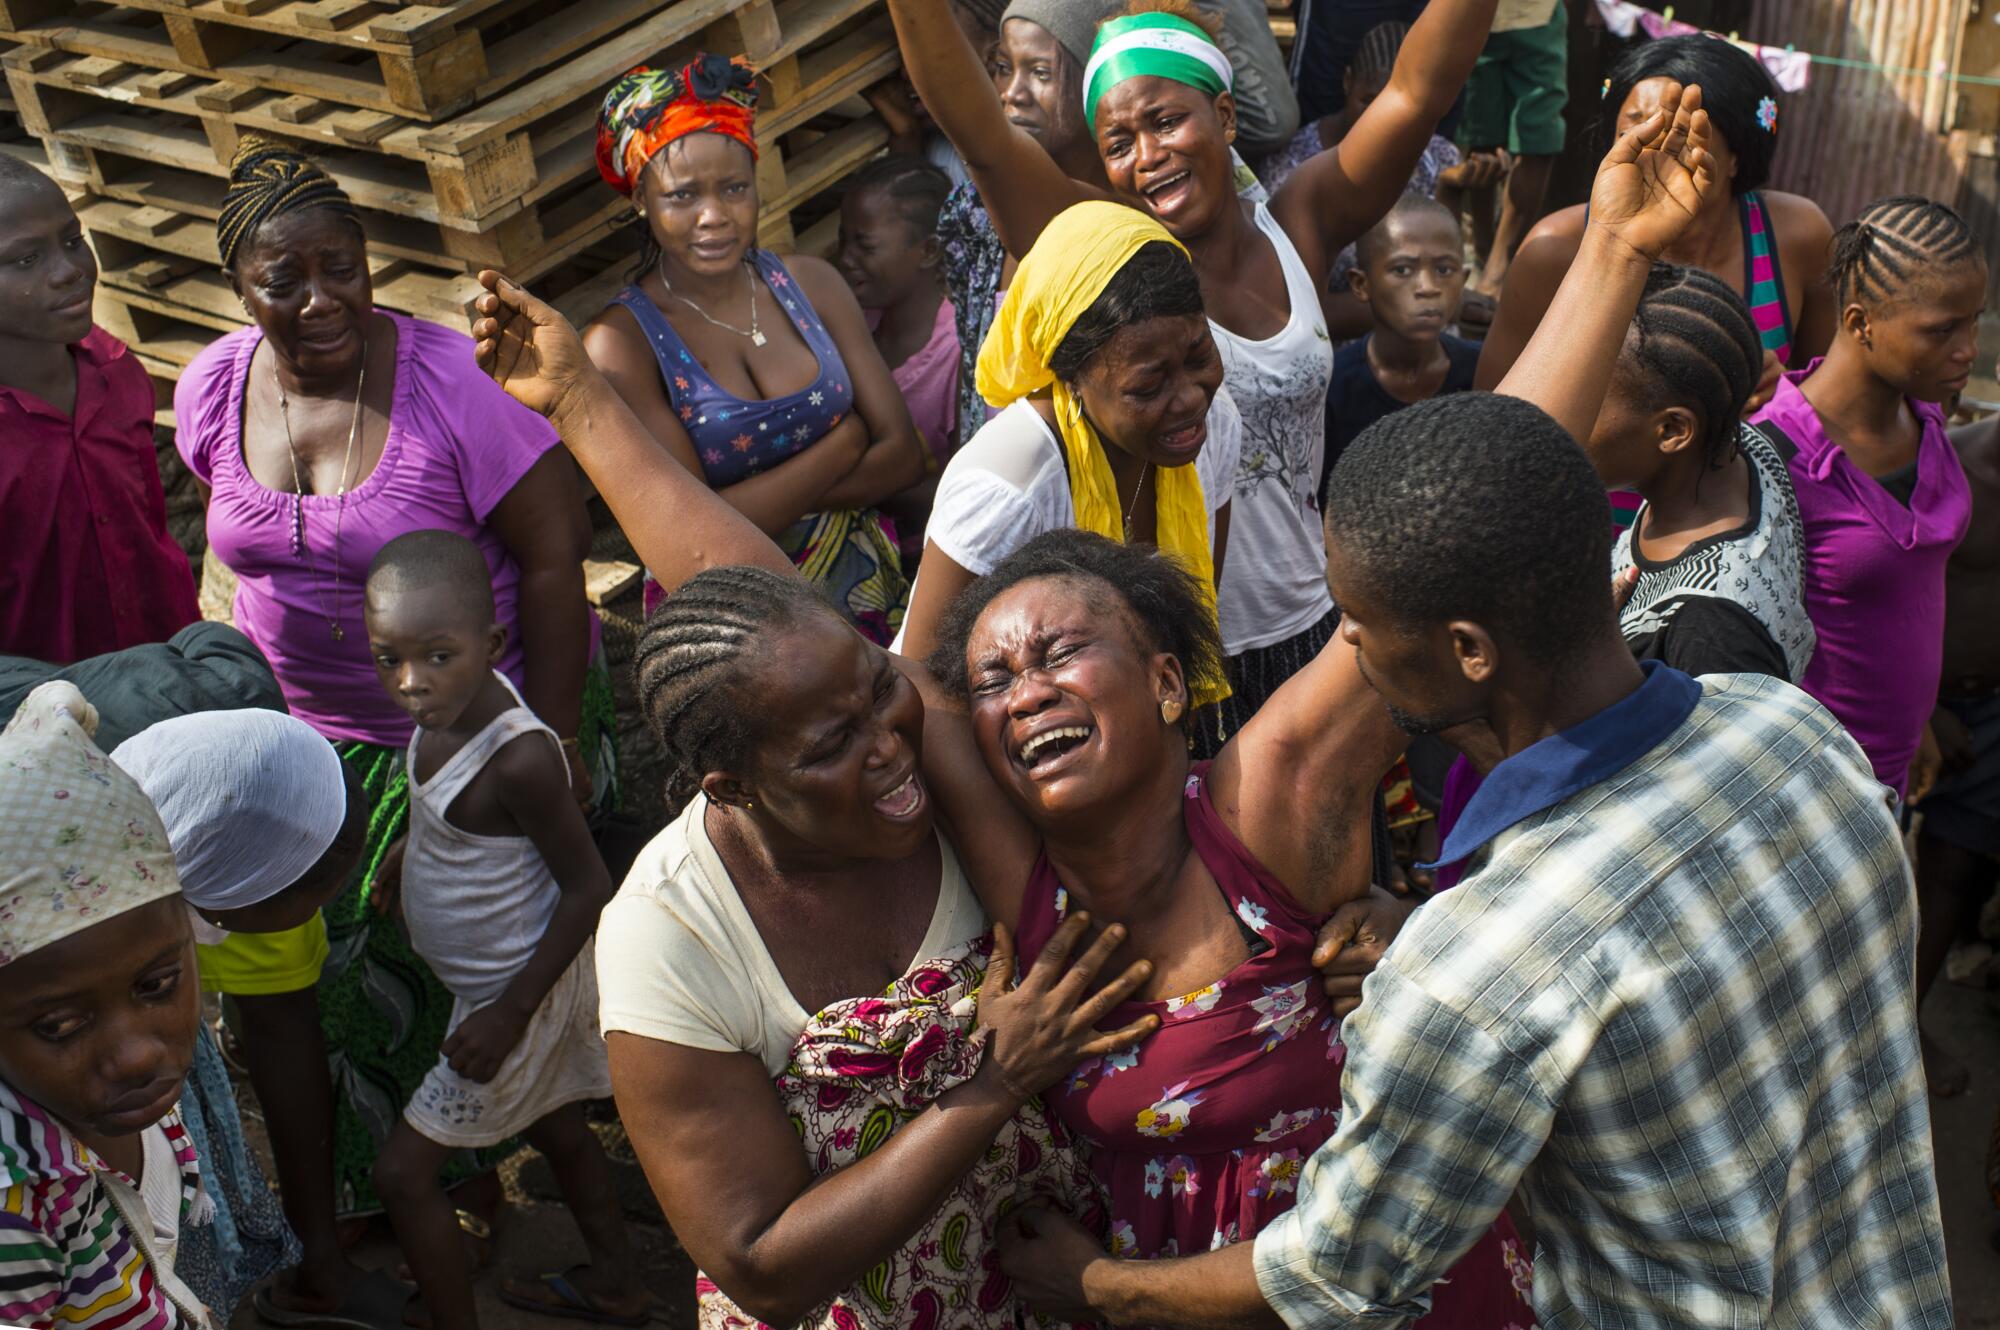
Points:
x=1199, y=1133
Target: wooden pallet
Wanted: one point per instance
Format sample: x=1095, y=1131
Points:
x=478, y=172
x=451, y=58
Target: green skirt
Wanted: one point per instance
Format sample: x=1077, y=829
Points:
x=383, y=1011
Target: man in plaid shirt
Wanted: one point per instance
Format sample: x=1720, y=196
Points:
x=1672, y=1003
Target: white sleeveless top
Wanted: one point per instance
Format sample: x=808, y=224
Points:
x=475, y=906
x=1274, y=578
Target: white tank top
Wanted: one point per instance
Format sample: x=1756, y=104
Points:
x=1274, y=571
x=475, y=906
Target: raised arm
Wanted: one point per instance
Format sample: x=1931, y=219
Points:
x=1020, y=184
x=1340, y=193
x=772, y=499
x=1297, y=783
x=1647, y=192
x=677, y=525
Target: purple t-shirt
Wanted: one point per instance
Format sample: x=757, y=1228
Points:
x=457, y=444
x=1874, y=578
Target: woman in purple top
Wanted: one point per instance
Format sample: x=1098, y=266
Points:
x=1881, y=492
x=759, y=377
x=318, y=434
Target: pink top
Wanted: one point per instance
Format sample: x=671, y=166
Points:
x=929, y=382
x=1874, y=578
x=457, y=445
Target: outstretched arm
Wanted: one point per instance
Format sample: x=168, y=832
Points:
x=1020, y=184
x=1340, y=193
x=1648, y=190
x=677, y=525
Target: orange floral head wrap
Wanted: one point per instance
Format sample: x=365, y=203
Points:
x=647, y=109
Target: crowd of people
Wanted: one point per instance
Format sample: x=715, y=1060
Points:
x=1208, y=787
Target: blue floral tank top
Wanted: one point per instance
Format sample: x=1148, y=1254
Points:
x=736, y=437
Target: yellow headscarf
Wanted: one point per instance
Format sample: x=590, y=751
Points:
x=1070, y=264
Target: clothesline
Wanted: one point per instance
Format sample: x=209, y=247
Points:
x=1788, y=65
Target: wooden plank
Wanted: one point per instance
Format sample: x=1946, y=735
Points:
x=804, y=22
x=157, y=272
x=154, y=221
x=228, y=96
x=364, y=129
x=325, y=16
x=97, y=71
x=163, y=83
x=299, y=110
x=247, y=8
x=584, y=75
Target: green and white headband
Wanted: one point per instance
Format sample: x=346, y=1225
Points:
x=1157, y=45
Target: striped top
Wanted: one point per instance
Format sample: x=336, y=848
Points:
x=67, y=1253
x=1764, y=279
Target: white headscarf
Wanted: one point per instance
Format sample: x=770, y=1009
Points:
x=79, y=843
x=251, y=799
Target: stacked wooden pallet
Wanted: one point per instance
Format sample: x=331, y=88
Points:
x=463, y=129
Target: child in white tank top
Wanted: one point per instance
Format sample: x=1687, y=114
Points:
x=501, y=890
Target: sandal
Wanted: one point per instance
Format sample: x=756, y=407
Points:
x=571, y=1304
x=372, y=1302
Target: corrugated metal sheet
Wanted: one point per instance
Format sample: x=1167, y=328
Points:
x=1856, y=134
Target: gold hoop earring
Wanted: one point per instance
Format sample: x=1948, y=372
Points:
x=1170, y=710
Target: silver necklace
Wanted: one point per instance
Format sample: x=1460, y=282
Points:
x=756, y=337
x=299, y=541
x=1137, y=490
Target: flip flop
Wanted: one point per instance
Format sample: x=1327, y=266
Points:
x=575, y=1305
x=372, y=1302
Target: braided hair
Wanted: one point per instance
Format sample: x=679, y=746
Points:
x=691, y=661
x=266, y=180
x=916, y=188
x=1892, y=243
x=1376, y=56
x=1693, y=344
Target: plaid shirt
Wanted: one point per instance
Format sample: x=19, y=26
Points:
x=1673, y=1004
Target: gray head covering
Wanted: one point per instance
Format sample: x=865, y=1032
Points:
x=1073, y=22
x=251, y=799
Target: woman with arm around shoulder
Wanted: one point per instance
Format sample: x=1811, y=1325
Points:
x=321, y=432
x=1071, y=788
x=1770, y=246
x=757, y=375
x=1157, y=102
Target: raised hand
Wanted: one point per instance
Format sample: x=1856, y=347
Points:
x=1039, y=1030
x=1656, y=177
x=526, y=346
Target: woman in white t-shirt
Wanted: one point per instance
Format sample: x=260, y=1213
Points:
x=1105, y=318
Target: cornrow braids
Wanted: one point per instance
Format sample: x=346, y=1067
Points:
x=1892, y=243
x=266, y=180
x=1694, y=344
x=1376, y=56
x=916, y=188
x=691, y=659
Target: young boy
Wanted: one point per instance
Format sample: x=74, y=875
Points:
x=89, y=565
x=1409, y=270
x=98, y=1011
x=501, y=889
